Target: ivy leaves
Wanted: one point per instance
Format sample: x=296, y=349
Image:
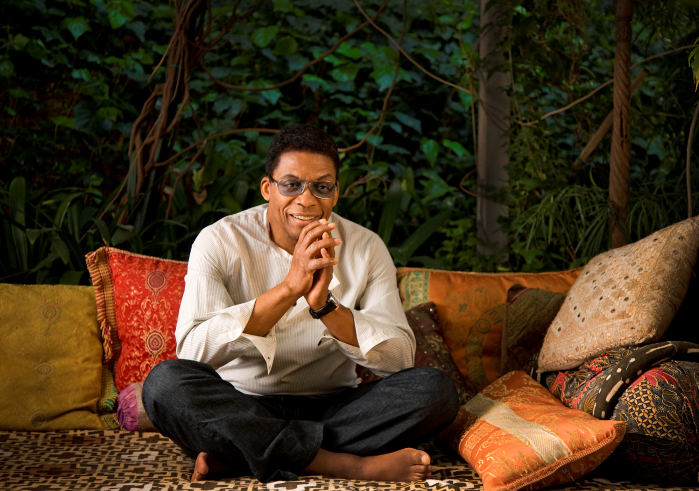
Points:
x=120, y=12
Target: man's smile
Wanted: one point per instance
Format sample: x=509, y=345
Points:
x=305, y=218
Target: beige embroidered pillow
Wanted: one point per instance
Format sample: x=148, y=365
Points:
x=626, y=296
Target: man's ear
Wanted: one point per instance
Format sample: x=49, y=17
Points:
x=264, y=188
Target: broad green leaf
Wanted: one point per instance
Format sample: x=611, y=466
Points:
x=423, y=232
x=391, y=209
x=17, y=201
x=283, y=5
x=60, y=248
x=7, y=68
x=314, y=82
x=120, y=12
x=103, y=230
x=384, y=62
x=82, y=74
x=64, y=121
x=76, y=25
x=110, y=113
x=264, y=35
x=431, y=150
x=18, y=93
x=121, y=235
x=63, y=208
x=286, y=46
x=70, y=278
x=36, y=49
x=345, y=73
x=349, y=51
x=19, y=42
x=456, y=147
x=270, y=95
x=32, y=235
x=414, y=123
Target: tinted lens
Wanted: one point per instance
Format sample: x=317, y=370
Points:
x=322, y=189
x=290, y=187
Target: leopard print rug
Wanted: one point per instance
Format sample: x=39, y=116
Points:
x=125, y=461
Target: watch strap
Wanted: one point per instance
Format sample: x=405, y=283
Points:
x=330, y=305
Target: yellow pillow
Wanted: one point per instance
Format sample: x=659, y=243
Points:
x=50, y=358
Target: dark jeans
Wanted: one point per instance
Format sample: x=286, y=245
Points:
x=276, y=437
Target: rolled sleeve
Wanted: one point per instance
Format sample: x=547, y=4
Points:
x=386, y=341
x=209, y=326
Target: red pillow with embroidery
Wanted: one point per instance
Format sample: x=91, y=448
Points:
x=138, y=300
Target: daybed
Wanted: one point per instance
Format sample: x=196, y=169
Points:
x=63, y=346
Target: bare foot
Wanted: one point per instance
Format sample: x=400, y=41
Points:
x=204, y=465
x=407, y=465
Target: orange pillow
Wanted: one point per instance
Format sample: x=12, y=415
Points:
x=471, y=307
x=138, y=300
x=515, y=434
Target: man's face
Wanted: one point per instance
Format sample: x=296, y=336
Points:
x=288, y=215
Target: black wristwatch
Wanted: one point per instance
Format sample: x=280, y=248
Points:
x=331, y=305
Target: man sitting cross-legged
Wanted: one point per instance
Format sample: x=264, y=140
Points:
x=281, y=303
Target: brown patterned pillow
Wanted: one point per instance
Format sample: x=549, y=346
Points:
x=623, y=297
x=430, y=350
x=528, y=315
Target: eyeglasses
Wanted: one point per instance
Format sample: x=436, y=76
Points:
x=291, y=186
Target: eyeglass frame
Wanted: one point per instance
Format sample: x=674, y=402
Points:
x=303, y=187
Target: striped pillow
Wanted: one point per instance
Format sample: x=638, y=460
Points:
x=515, y=434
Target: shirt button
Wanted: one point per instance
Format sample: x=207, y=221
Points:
x=295, y=304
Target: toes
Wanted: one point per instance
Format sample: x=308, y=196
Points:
x=422, y=457
x=421, y=471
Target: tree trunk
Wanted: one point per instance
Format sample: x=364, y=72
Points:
x=619, y=181
x=493, y=142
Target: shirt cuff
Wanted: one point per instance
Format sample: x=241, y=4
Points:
x=241, y=313
x=368, y=337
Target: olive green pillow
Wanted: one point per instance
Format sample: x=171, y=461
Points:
x=50, y=358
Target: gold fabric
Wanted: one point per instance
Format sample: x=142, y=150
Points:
x=623, y=297
x=51, y=352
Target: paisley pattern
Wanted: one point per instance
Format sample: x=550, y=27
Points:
x=471, y=309
x=49, y=313
x=147, y=296
x=516, y=435
x=43, y=371
x=660, y=409
x=430, y=350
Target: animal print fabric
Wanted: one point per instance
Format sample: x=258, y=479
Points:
x=125, y=461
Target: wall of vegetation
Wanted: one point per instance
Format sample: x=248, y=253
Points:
x=74, y=75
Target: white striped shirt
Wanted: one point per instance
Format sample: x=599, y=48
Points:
x=234, y=261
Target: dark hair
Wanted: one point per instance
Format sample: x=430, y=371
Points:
x=301, y=138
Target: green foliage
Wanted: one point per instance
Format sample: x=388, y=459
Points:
x=74, y=76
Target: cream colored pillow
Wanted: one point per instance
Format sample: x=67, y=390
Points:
x=626, y=296
x=50, y=358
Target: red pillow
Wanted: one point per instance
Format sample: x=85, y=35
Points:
x=138, y=300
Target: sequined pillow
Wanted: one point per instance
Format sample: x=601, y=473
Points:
x=138, y=301
x=430, y=350
x=471, y=310
x=516, y=435
x=627, y=296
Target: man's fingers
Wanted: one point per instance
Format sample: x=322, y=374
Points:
x=310, y=234
x=320, y=263
x=317, y=247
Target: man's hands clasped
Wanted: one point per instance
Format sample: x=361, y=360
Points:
x=312, y=264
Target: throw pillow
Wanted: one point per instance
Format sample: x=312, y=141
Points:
x=51, y=369
x=138, y=300
x=528, y=315
x=516, y=435
x=627, y=296
x=430, y=350
x=471, y=309
x=654, y=390
x=132, y=416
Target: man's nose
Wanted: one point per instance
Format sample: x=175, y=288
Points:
x=306, y=198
